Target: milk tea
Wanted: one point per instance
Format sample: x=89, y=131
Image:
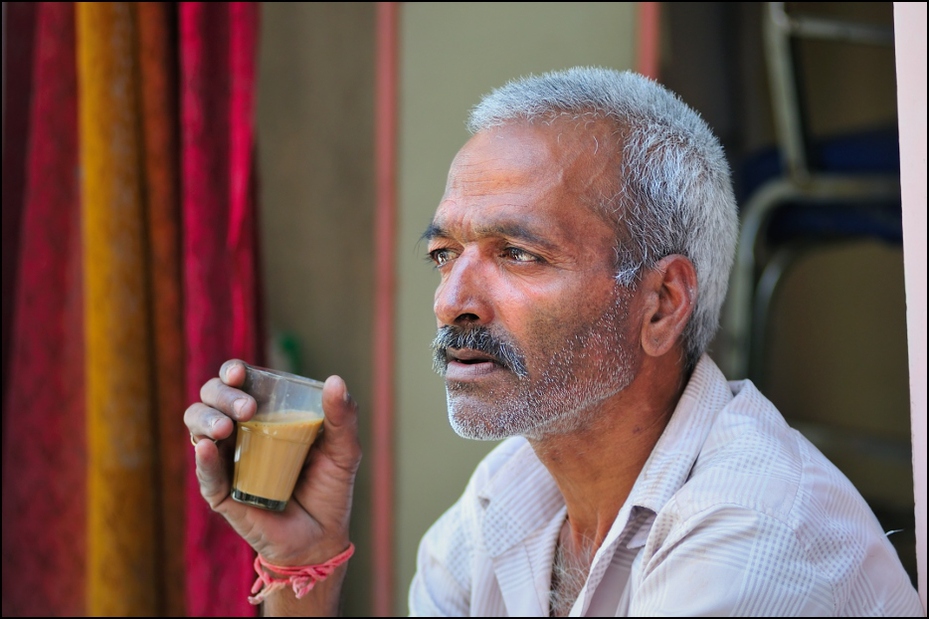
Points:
x=269, y=454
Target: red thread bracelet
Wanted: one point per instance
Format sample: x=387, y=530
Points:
x=302, y=577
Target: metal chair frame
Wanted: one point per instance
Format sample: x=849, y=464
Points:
x=751, y=292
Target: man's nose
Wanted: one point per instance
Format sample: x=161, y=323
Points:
x=463, y=295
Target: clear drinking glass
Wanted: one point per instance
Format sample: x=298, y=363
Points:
x=272, y=446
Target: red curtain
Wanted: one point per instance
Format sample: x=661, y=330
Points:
x=129, y=275
x=43, y=409
x=217, y=68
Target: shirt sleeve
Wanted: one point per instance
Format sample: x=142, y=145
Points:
x=732, y=561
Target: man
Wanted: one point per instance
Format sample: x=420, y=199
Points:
x=583, y=244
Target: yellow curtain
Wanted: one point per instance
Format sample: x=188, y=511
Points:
x=121, y=479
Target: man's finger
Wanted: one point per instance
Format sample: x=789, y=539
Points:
x=211, y=473
x=205, y=421
x=229, y=400
x=340, y=430
x=232, y=372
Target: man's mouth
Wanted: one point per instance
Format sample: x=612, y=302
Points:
x=470, y=357
x=473, y=352
x=465, y=363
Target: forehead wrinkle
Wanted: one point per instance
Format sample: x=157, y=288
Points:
x=555, y=162
x=513, y=230
x=509, y=230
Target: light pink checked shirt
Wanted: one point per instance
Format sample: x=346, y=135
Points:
x=734, y=513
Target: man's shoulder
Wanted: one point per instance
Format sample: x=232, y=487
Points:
x=762, y=499
x=754, y=462
x=752, y=457
x=727, y=443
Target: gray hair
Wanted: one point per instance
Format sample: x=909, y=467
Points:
x=674, y=190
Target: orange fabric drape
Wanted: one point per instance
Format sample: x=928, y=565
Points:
x=102, y=246
x=121, y=488
x=158, y=75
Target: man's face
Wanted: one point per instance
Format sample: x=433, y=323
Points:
x=534, y=334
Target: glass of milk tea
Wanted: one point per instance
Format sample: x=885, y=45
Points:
x=271, y=447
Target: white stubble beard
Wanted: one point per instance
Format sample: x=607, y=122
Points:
x=559, y=402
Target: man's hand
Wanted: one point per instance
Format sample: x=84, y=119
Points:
x=313, y=527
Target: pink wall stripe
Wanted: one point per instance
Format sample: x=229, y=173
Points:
x=649, y=29
x=384, y=302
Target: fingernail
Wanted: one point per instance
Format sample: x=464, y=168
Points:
x=238, y=405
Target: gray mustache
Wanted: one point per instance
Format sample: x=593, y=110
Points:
x=477, y=338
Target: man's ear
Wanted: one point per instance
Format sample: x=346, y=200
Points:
x=669, y=292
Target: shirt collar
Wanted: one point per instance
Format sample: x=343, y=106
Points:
x=512, y=513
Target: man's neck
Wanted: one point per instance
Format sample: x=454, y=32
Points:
x=595, y=468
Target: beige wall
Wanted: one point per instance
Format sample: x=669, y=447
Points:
x=315, y=143
x=452, y=53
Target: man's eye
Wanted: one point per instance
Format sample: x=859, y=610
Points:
x=519, y=255
x=440, y=256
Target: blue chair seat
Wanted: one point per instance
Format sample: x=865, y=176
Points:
x=875, y=151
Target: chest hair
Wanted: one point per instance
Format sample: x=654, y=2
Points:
x=569, y=573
